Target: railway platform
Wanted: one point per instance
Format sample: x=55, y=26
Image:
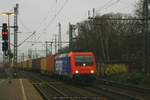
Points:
x=18, y=89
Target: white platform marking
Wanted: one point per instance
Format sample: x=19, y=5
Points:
x=23, y=91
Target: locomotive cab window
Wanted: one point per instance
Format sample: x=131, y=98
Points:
x=84, y=60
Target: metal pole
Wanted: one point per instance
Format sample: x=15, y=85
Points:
x=51, y=47
x=70, y=36
x=15, y=34
x=59, y=38
x=55, y=43
x=8, y=35
x=46, y=48
x=8, y=53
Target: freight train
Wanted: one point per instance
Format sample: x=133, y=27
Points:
x=72, y=65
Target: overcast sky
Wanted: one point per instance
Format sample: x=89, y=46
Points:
x=43, y=16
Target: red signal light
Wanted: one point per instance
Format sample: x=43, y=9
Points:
x=4, y=33
x=5, y=36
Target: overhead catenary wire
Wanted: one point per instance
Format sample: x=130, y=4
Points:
x=102, y=7
x=55, y=16
x=27, y=38
x=117, y=1
x=45, y=18
x=108, y=5
x=22, y=23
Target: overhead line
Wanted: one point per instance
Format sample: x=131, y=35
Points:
x=56, y=14
x=48, y=42
x=44, y=19
x=21, y=21
x=27, y=38
x=51, y=21
x=106, y=4
x=117, y=18
x=111, y=4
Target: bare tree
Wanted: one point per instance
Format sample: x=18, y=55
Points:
x=110, y=40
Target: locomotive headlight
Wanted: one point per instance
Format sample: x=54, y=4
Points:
x=76, y=71
x=84, y=64
x=92, y=71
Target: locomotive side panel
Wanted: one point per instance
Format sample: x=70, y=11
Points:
x=62, y=65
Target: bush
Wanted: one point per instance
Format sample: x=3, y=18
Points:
x=115, y=69
x=134, y=78
x=137, y=78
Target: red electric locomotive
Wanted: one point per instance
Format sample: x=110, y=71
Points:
x=76, y=65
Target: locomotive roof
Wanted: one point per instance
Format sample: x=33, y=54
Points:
x=72, y=53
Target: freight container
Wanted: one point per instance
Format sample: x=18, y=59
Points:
x=43, y=65
x=29, y=64
x=50, y=64
x=19, y=65
x=24, y=65
x=36, y=64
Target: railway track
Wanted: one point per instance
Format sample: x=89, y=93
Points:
x=109, y=94
x=107, y=90
x=49, y=92
x=62, y=91
x=126, y=86
x=50, y=89
x=46, y=86
x=133, y=92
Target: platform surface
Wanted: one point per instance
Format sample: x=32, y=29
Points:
x=18, y=89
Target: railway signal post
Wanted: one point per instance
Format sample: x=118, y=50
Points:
x=8, y=55
x=5, y=39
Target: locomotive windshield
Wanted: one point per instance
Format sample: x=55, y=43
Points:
x=84, y=60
